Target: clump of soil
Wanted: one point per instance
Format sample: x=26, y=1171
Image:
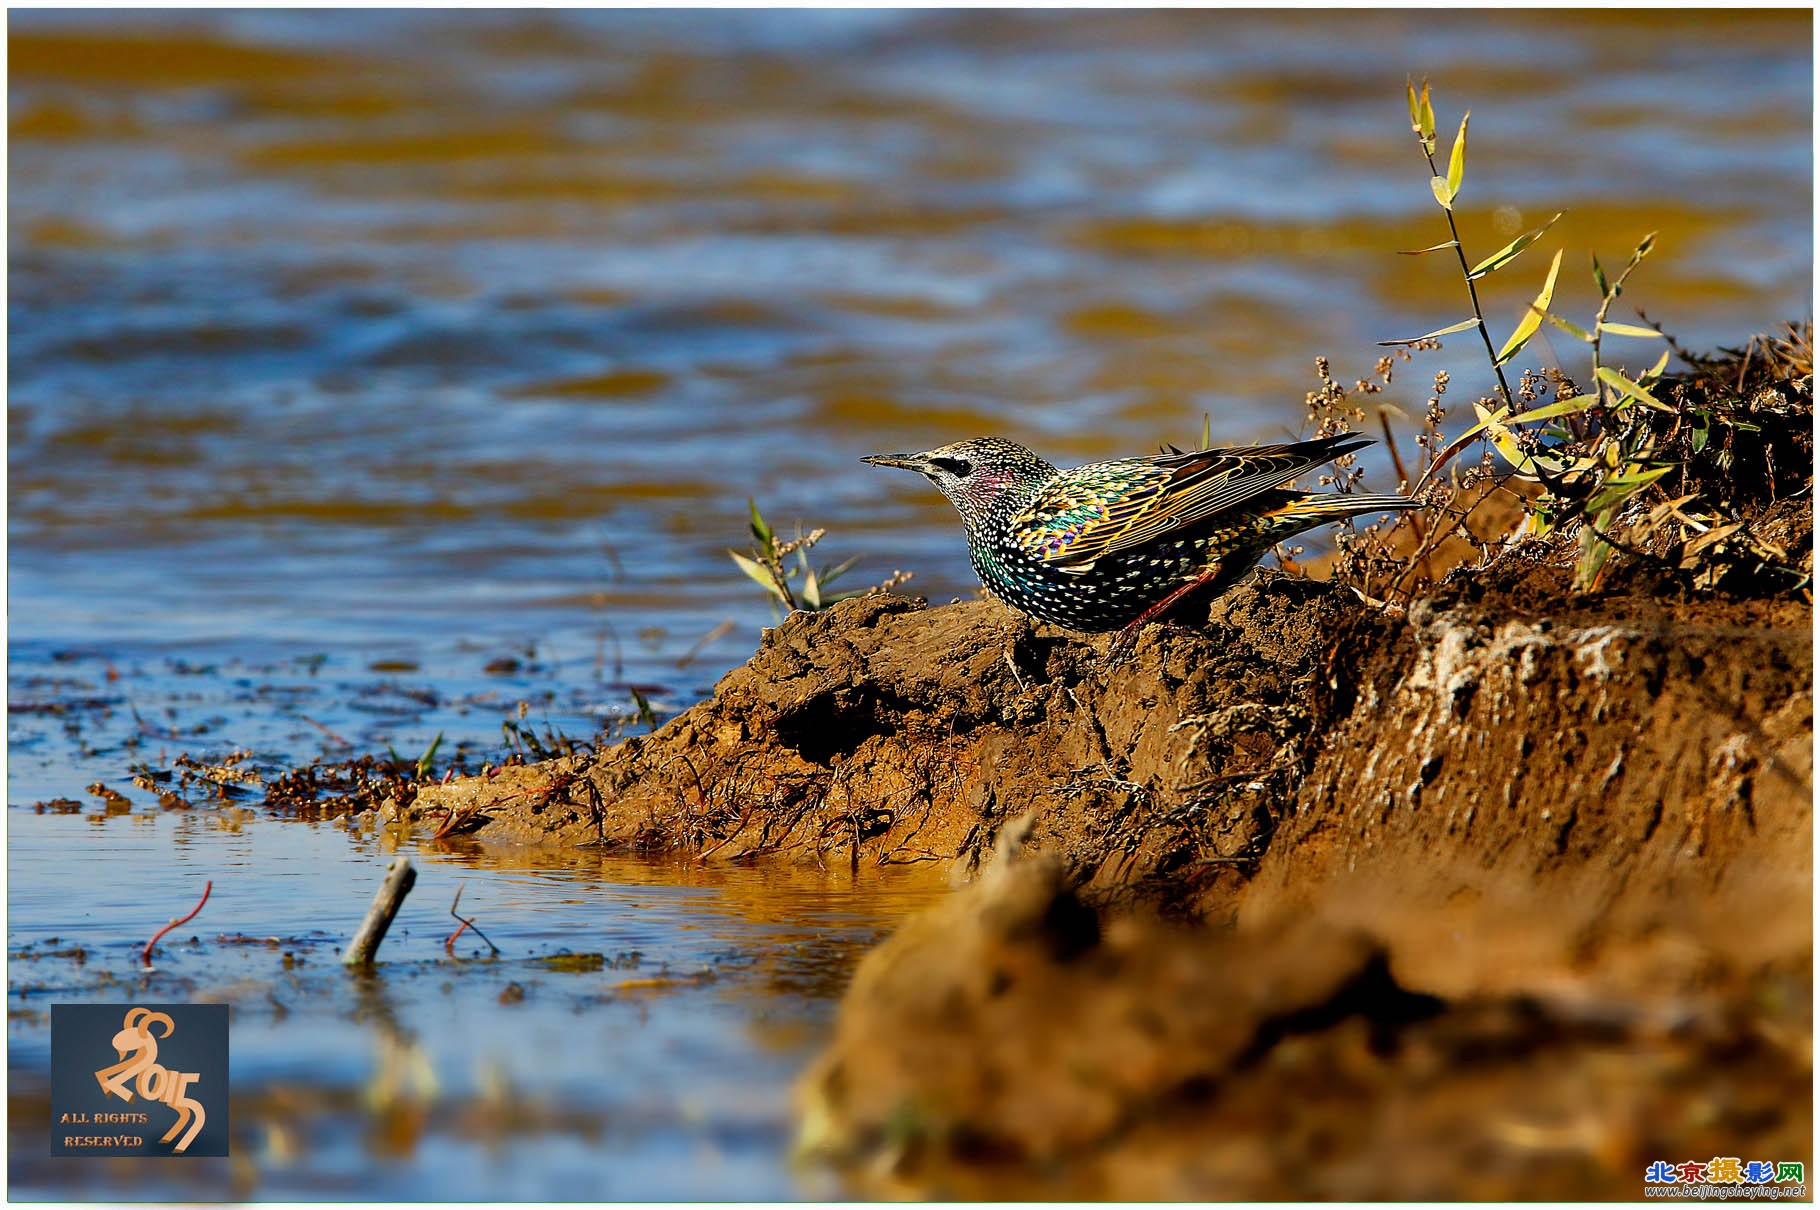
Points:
x=1513, y=885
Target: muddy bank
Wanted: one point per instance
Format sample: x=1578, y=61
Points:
x=1512, y=884
x=1296, y=731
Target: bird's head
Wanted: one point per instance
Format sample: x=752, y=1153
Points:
x=974, y=473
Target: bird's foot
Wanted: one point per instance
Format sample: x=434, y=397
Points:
x=1126, y=642
x=1122, y=646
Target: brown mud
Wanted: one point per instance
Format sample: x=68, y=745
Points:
x=1505, y=894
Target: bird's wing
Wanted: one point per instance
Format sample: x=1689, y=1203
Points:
x=1097, y=510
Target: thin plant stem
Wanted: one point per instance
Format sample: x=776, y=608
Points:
x=1471, y=289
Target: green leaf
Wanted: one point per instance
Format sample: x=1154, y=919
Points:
x=1643, y=249
x=1655, y=371
x=828, y=575
x=1568, y=326
x=1443, y=192
x=1703, y=431
x=760, y=574
x=1526, y=327
x=812, y=589
x=646, y=715
x=1509, y=252
x=1415, y=106
x=1631, y=330
x=1619, y=488
x=1448, y=330
x=1206, y=430
x=1561, y=407
x=1598, y=276
x=1594, y=551
x=1426, y=115
x=1631, y=390
x=760, y=530
x=424, y=762
x=1456, y=163
x=1452, y=243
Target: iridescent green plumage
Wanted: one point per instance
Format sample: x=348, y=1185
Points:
x=1106, y=545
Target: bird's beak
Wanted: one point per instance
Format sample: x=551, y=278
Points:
x=909, y=462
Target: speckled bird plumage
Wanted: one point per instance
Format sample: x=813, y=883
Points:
x=1095, y=547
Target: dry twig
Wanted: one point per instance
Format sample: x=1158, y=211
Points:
x=466, y=924
x=145, y=955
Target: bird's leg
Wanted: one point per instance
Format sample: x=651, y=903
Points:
x=1121, y=646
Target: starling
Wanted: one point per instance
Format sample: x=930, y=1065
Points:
x=1114, y=544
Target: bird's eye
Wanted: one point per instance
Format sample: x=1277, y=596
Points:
x=960, y=468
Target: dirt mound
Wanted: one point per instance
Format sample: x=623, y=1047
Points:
x=1011, y=1043
x=1293, y=728
x=885, y=730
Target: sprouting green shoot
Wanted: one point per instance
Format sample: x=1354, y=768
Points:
x=425, y=761
x=784, y=571
x=646, y=715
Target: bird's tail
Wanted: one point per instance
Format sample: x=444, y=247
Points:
x=1312, y=510
x=1333, y=506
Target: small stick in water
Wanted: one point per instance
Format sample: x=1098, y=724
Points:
x=466, y=924
x=399, y=879
x=145, y=955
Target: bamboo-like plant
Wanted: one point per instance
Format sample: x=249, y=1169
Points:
x=1600, y=455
